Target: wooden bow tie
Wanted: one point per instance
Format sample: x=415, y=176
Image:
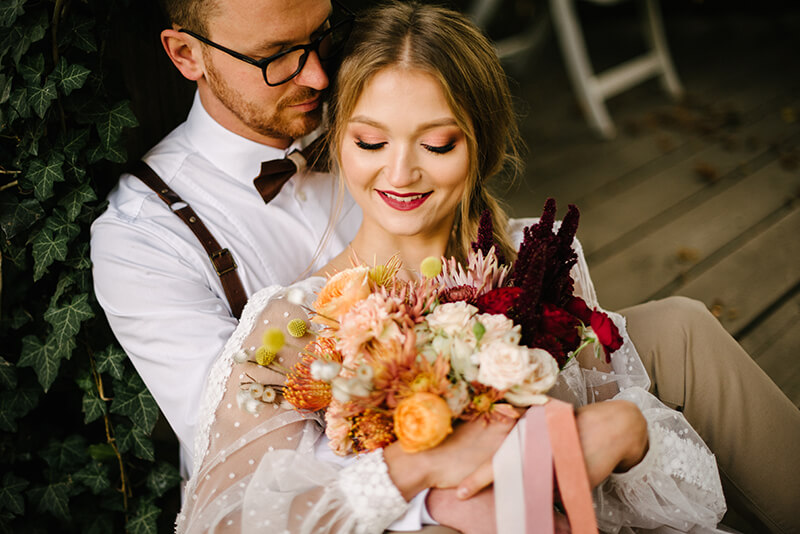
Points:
x=277, y=172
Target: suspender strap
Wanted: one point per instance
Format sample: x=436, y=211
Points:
x=221, y=258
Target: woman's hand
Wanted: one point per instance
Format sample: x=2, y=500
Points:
x=613, y=436
x=471, y=445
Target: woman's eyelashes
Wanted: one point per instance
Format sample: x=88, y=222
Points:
x=369, y=146
x=435, y=149
x=440, y=149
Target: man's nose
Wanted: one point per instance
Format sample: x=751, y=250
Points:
x=313, y=75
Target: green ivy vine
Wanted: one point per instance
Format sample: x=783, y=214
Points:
x=76, y=421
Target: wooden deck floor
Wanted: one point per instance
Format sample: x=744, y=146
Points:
x=699, y=198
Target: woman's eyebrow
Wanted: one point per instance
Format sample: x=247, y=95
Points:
x=445, y=121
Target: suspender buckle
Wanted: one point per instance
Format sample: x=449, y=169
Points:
x=223, y=261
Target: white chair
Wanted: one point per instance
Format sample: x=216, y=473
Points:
x=593, y=89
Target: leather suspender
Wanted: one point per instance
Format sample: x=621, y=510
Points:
x=221, y=258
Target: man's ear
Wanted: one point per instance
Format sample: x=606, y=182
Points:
x=184, y=52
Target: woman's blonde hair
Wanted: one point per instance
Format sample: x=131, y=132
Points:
x=446, y=45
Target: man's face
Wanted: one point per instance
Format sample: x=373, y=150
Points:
x=235, y=93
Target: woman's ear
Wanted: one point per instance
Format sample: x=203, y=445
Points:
x=185, y=53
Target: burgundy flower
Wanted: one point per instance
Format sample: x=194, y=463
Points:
x=458, y=293
x=561, y=324
x=499, y=300
x=607, y=333
x=577, y=307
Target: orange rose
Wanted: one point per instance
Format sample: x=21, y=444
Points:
x=422, y=421
x=342, y=291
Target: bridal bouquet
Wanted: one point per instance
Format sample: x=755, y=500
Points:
x=397, y=360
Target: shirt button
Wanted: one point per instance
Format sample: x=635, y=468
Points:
x=301, y=196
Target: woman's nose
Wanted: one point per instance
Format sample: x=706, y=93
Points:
x=402, y=169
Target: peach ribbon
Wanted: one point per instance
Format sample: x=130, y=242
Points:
x=524, y=497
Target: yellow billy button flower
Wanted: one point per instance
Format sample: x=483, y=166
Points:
x=430, y=267
x=273, y=340
x=264, y=356
x=296, y=328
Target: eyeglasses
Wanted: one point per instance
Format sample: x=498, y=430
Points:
x=281, y=67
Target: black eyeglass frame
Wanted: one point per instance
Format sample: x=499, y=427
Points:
x=262, y=64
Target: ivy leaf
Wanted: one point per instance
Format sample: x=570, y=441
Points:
x=135, y=439
x=75, y=200
x=144, y=521
x=162, y=478
x=19, y=318
x=67, y=319
x=16, y=216
x=5, y=88
x=11, y=494
x=132, y=398
x=72, y=142
x=8, y=374
x=80, y=34
x=47, y=248
x=102, y=452
x=93, y=406
x=31, y=69
x=18, y=104
x=68, y=77
x=45, y=358
x=110, y=123
x=9, y=12
x=40, y=97
x=94, y=476
x=24, y=33
x=115, y=153
x=110, y=360
x=61, y=225
x=98, y=523
x=42, y=175
x=67, y=455
x=78, y=257
x=15, y=404
x=53, y=499
x=65, y=281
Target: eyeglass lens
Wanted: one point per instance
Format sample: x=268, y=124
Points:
x=289, y=65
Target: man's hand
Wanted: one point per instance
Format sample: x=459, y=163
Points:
x=613, y=436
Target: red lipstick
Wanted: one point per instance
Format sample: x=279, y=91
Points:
x=403, y=201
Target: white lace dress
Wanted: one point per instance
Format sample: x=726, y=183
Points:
x=272, y=472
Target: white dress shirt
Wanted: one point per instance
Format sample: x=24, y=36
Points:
x=159, y=290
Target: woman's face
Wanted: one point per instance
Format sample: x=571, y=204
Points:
x=403, y=157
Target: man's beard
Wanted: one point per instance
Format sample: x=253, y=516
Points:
x=279, y=123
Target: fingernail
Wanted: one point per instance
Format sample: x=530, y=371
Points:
x=461, y=493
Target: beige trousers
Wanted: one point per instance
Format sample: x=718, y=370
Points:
x=696, y=367
x=749, y=424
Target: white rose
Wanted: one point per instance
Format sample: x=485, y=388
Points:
x=499, y=327
x=542, y=377
x=503, y=365
x=453, y=318
x=462, y=359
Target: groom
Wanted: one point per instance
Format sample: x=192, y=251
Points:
x=172, y=281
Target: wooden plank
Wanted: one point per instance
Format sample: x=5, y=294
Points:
x=749, y=280
x=637, y=273
x=606, y=228
x=773, y=345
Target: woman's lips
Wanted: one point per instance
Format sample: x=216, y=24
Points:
x=404, y=201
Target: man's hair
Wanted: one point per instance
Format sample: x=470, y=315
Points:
x=191, y=14
x=448, y=46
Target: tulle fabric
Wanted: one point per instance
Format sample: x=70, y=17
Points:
x=271, y=472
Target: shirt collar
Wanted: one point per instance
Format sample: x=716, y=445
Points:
x=230, y=152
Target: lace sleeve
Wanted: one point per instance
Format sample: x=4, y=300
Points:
x=260, y=471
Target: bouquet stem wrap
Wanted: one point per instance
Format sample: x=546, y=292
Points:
x=524, y=497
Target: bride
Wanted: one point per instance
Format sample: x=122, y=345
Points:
x=422, y=118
